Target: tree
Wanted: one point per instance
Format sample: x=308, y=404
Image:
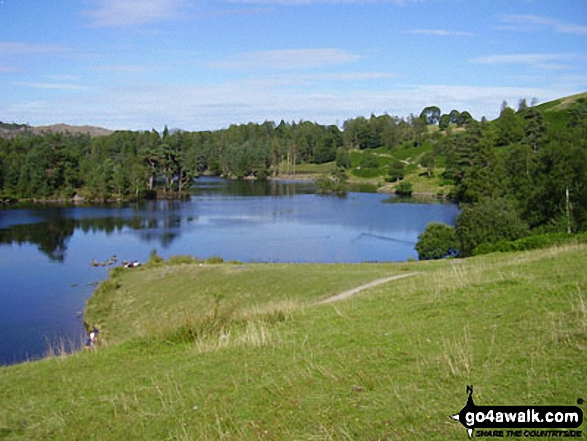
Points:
x=454, y=116
x=427, y=161
x=343, y=159
x=431, y=115
x=437, y=242
x=444, y=122
x=559, y=197
x=396, y=170
x=419, y=127
x=334, y=182
x=464, y=118
x=488, y=221
x=535, y=130
x=508, y=128
x=404, y=189
x=522, y=105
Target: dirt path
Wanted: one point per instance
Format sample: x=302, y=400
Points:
x=350, y=292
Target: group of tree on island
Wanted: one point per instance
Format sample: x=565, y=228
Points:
x=525, y=171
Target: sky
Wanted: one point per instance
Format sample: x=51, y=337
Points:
x=204, y=65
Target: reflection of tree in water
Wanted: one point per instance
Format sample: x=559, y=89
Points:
x=52, y=235
x=164, y=230
x=253, y=188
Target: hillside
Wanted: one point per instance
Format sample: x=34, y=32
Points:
x=229, y=351
x=565, y=103
x=9, y=130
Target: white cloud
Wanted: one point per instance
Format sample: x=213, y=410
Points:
x=440, y=32
x=124, y=68
x=287, y=59
x=332, y=79
x=54, y=86
x=216, y=106
x=536, y=22
x=543, y=61
x=121, y=13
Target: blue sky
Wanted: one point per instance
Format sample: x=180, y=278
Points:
x=203, y=65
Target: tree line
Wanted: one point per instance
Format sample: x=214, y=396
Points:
x=525, y=171
x=131, y=164
x=523, y=174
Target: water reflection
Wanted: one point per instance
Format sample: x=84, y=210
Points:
x=52, y=235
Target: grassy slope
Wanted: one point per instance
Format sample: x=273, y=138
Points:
x=391, y=362
x=556, y=114
x=414, y=174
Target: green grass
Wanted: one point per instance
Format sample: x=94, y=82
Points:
x=391, y=362
x=123, y=306
x=557, y=113
x=309, y=169
x=412, y=172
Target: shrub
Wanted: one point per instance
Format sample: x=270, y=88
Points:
x=489, y=221
x=404, y=189
x=530, y=243
x=396, y=171
x=437, y=241
x=369, y=160
x=181, y=259
x=154, y=258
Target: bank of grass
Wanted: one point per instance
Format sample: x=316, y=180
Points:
x=391, y=362
x=154, y=300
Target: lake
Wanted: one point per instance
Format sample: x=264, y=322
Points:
x=45, y=252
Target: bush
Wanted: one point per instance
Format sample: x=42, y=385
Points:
x=335, y=182
x=437, y=242
x=154, y=258
x=530, y=243
x=489, y=221
x=396, y=171
x=404, y=189
x=369, y=160
x=182, y=259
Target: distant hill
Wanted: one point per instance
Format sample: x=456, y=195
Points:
x=9, y=130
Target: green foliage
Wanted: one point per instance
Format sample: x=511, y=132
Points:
x=437, y=242
x=431, y=115
x=182, y=259
x=404, y=189
x=508, y=128
x=369, y=160
x=533, y=242
x=444, y=122
x=396, y=170
x=488, y=221
x=154, y=258
x=464, y=119
x=536, y=157
x=343, y=158
x=335, y=182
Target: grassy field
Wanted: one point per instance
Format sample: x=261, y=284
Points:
x=233, y=352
